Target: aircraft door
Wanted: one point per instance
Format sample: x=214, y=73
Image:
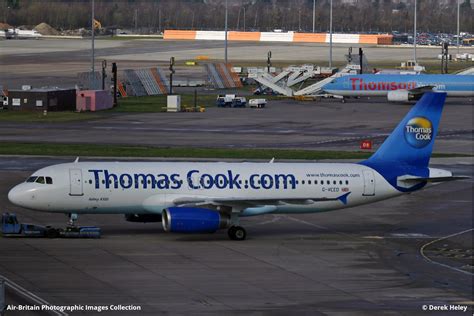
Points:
x=369, y=183
x=75, y=184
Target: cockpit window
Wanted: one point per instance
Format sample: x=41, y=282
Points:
x=40, y=180
x=31, y=179
x=49, y=180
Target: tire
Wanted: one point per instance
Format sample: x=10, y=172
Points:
x=237, y=233
x=52, y=233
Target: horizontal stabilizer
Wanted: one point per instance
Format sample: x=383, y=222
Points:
x=431, y=179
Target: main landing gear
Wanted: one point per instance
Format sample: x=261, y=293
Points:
x=237, y=233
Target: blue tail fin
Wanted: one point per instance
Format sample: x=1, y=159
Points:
x=411, y=143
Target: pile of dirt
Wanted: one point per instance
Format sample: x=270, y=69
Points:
x=45, y=29
x=5, y=26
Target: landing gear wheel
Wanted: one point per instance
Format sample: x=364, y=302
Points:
x=52, y=233
x=237, y=233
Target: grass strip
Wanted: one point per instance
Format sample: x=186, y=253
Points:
x=47, y=149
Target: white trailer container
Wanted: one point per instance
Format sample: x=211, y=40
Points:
x=257, y=103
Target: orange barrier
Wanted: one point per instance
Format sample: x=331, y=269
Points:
x=180, y=35
x=309, y=37
x=385, y=40
x=375, y=39
x=244, y=36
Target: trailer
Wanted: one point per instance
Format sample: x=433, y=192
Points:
x=257, y=103
x=11, y=227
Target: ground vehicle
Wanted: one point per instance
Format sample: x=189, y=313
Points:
x=239, y=102
x=230, y=100
x=12, y=228
x=225, y=100
x=257, y=103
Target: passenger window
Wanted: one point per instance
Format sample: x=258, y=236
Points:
x=90, y=181
x=49, y=180
x=340, y=181
x=302, y=182
x=40, y=180
x=309, y=181
x=347, y=181
x=315, y=181
x=334, y=182
x=31, y=179
x=328, y=182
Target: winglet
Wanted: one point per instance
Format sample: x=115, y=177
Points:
x=343, y=198
x=77, y=160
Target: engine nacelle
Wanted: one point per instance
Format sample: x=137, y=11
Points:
x=143, y=218
x=193, y=220
x=399, y=96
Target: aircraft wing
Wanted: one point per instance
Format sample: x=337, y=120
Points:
x=242, y=203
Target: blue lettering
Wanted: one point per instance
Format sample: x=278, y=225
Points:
x=96, y=177
x=267, y=181
x=221, y=184
x=190, y=180
x=175, y=180
x=108, y=178
x=253, y=182
x=145, y=179
x=233, y=180
x=162, y=181
x=285, y=179
x=126, y=181
x=207, y=181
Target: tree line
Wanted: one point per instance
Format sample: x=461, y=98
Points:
x=243, y=15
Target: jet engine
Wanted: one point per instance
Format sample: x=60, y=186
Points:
x=193, y=220
x=143, y=218
x=400, y=96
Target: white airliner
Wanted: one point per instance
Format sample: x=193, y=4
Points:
x=204, y=197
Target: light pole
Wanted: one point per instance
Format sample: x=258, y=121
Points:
x=414, y=36
x=314, y=14
x=226, y=32
x=458, y=26
x=330, y=34
x=93, y=48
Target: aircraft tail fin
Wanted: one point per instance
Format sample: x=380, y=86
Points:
x=411, y=143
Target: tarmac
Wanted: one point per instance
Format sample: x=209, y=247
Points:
x=315, y=125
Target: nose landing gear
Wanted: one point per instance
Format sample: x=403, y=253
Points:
x=72, y=219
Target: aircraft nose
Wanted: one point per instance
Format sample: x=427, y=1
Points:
x=17, y=195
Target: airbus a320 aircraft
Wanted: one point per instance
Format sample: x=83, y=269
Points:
x=206, y=197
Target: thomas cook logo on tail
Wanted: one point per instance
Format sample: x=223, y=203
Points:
x=419, y=132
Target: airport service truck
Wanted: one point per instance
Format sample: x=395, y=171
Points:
x=231, y=100
x=12, y=228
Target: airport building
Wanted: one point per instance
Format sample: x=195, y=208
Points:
x=40, y=99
